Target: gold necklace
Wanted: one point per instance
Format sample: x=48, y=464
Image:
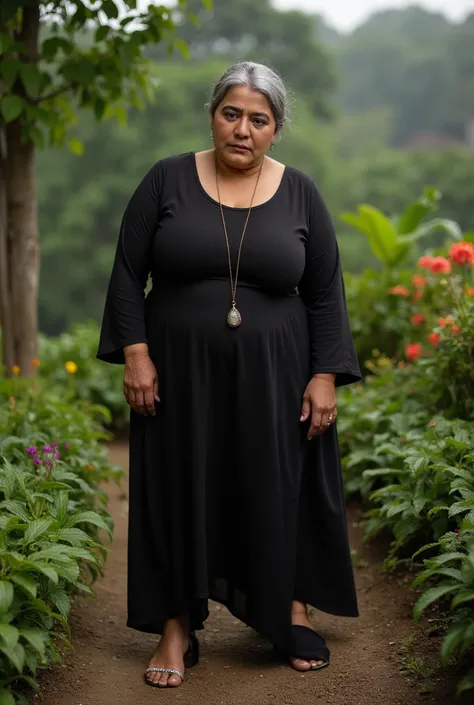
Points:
x=234, y=318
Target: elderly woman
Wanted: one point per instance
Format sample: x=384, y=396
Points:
x=231, y=364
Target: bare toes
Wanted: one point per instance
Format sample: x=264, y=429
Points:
x=174, y=681
x=300, y=665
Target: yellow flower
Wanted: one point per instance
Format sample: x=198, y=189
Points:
x=16, y=369
x=384, y=361
x=71, y=367
x=35, y=362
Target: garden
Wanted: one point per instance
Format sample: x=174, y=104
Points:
x=406, y=434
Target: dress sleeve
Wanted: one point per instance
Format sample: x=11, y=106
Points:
x=123, y=321
x=323, y=293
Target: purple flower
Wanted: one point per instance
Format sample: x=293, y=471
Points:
x=31, y=450
x=37, y=461
x=66, y=446
x=47, y=449
x=48, y=462
x=54, y=446
x=57, y=454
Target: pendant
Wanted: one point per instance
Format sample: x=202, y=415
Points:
x=234, y=319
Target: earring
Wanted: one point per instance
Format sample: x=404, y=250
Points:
x=272, y=147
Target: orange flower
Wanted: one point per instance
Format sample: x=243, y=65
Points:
x=399, y=290
x=455, y=329
x=35, y=362
x=16, y=369
x=434, y=338
x=425, y=262
x=462, y=253
x=413, y=351
x=443, y=322
x=90, y=467
x=418, y=294
x=470, y=292
x=401, y=364
x=418, y=280
x=440, y=265
x=417, y=318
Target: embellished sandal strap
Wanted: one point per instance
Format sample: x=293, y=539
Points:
x=166, y=670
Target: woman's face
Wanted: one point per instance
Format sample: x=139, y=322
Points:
x=243, y=127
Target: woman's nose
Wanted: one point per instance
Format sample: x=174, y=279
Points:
x=243, y=129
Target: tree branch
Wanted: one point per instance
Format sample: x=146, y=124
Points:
x=53, y=94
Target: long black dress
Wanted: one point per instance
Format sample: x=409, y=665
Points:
x=228, y=500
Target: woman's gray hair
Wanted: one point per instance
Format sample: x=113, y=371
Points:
x=259, y=78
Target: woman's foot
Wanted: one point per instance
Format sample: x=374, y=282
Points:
x=170, y=653
x=299, y=615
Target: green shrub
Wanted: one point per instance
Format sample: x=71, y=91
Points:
x=52, y=511
x=69, y=363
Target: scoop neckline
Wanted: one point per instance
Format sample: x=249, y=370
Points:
x=235, y=208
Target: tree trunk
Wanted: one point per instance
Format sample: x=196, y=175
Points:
x=20, y=309
x=6, y=319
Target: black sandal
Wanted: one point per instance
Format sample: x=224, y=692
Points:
x=191, y=658
x=309, y=646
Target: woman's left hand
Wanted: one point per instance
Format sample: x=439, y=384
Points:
x=319, y=401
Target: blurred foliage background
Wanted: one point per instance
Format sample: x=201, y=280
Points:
x=378, y=114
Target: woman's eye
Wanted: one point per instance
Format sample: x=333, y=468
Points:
x=259, y=122
x=231, y=116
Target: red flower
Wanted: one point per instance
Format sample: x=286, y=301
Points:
x=418, y=295
x=455, y=329
x=462, y=253
x=470, y=292
x=434, y=338
x=399, y=290
x=425, y=262
x=417, y=318
x=418, y=280
x=413, y=351
x=440, y=265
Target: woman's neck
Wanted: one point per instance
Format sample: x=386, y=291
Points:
x=226, y=171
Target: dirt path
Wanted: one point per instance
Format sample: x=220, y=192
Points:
x=237, y=667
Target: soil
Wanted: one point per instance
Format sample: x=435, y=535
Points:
x=237, y=667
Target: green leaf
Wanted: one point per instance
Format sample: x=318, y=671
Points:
x=11, y=107
x=36, y=638
x=9, y=635
x=103, y=31
x=5, y=43
x=207, y=4
x=76, y=147
x=183, y=48
x=36, y=529
x=10, y=69
x=431, y=596
x=43, y=568
x=52, y=45
x=6, y=698
x=463, y=597
x=466, y=684
x=60, y=600
x=16, y=656
x=28, y=584
x=32, y=79
x=451, y=642
x=89, y=518
x=6, y=595
x=110, y=9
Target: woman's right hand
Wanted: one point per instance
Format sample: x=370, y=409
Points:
x=140, y=380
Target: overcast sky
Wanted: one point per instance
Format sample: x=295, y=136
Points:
x=346, y=14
